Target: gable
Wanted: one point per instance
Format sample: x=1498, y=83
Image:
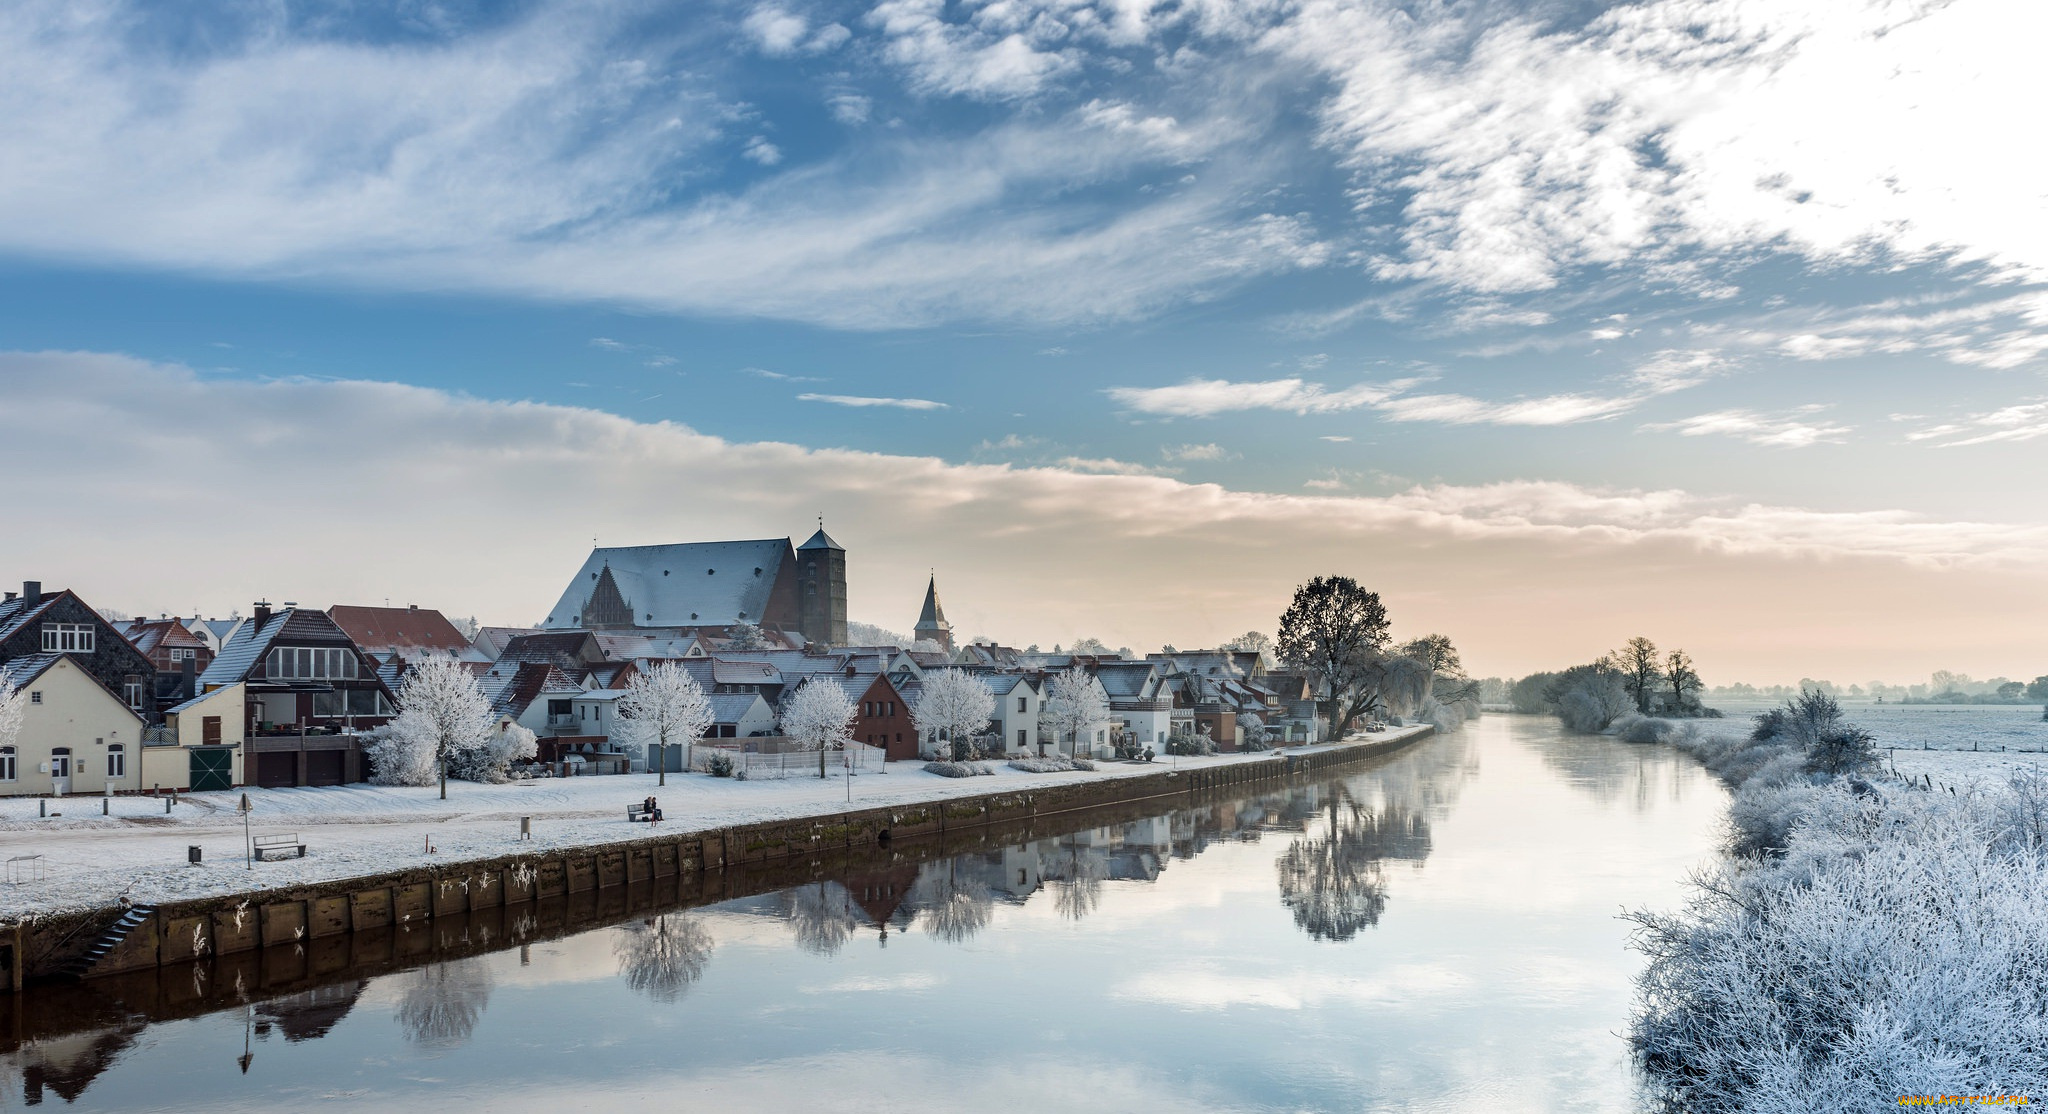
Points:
x=682, y=585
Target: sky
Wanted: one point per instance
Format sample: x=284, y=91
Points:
x=1717, y=321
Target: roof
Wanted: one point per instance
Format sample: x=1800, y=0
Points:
x=242, y=652
x=16, y=613
x=822, y=540
x=732, y=707
x=198, y=700
x=1125, y=678
x=398, y=628
x=933, y=617
x=691, y=583
x=26, y=668
x=560, y=647
x=492, y=640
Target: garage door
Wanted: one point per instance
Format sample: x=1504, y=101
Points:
x=212, y=768
x=324, y=767
x=277, y=771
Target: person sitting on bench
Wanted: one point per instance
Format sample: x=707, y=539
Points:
x=653, y=810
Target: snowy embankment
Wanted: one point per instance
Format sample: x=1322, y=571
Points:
x=1867, y=939
x=90, y=860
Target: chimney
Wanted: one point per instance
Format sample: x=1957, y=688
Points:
x=31, y=592
x=262, y=615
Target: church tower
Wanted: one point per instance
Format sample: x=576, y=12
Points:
x=821, y=578
x=608, y=608
x=931, y=622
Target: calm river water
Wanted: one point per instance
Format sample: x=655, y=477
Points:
x=1437, y=932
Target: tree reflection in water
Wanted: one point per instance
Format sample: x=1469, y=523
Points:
x=444, y=1001
x=1076, y=874
x=1334, y=882
x=954, y=908
x=663, y=956
x=823, y=915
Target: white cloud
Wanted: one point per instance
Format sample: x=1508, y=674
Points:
x=864, y=400
x=1208, y=452
x=609, y=344
x=2019, y=422
x=1333, y=437
x=986, y=56
x=1106, y=466
x=775, y=30
x=849, y=108
x=1759, y=429
x=1461, y=410
x=1516, y=563
x=1206, y=398
x=761, y=151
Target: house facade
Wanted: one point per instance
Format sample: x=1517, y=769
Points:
x=201, y=745
x=77, y=736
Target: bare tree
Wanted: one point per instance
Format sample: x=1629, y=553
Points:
x=1683, y=680
x=1073, y=705
x=954, y=908
x=818, y=716
x=1336, y=632
x=663, y=955
x=1637, y=660
x=1436, y=652
x=443, y=721
x=1333, y=882
x=955, y=705
x=663, y=706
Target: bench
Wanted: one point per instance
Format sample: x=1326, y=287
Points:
x=636, y=814
x=280, y=844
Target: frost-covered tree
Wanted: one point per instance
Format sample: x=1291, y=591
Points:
x=663, y=707
x=1640, y=672
x=1093, y=646
x=1073, y=705
x=818, y=716
x=1250, y=642
x=508, y=744
x=954, y=908
x=1588, y=697
x=1436, y=652
x=823, y=915
x=1336, y=632
x=468, y=628
x=868, y=634
x=13, y=707
x=956, y=707
x=747, y=636
x=443, y=721
x=1682, y=681
x=444, y=1001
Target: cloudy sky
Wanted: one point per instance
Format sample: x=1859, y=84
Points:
x=1720, y=321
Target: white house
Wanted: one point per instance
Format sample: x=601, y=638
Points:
x=201, y=743
x=1017, y=706
x=77, y=736
x=1140, y=701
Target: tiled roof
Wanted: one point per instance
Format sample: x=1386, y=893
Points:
x=398, y=628
x=680, y=585
x=16, y=613
x=26, y=668
x=732, y=707
x=247, y=648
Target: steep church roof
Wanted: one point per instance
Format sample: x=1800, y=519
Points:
x=933, y=615
x=683, y=585
x=821, y=540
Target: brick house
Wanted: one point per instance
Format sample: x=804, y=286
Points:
x=33, y=622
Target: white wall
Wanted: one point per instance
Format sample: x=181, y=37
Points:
x=78, y=713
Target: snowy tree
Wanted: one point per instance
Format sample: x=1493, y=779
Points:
x=13, y=706
x=1073, y=705
x=1093, y=646
x=868, y=634
x=664, y=955
x=469, y=628
x=955, y=706
x=1336, y=632
x=1436, y=652
x=747, y=636
x=444, y=1001
x=508, y=744
x=1682, y=680
x=1250, y=642
x=954, y=908
x=662, y=707
x=818, y=716
x=823, y=915
x=1640, y=670
x=443, y=721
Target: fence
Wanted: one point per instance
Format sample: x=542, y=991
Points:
x=777, y=757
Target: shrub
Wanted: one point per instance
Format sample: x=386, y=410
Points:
x=1587, y=698
x=720, y=765
x=1190, y=746
x=1083, y=764
x=958, y=769
x=1053, y=764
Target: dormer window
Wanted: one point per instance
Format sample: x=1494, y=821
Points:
x=67, y=638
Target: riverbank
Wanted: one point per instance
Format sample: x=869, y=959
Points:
x=378, y=839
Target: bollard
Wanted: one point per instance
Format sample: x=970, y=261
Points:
x=526, y=827
x=106, y=804
x=45, y=803
x=168, y=802
x=192, y=853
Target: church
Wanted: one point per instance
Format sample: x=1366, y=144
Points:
x=770, y=583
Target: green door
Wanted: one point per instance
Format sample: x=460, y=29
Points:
x=212, y=768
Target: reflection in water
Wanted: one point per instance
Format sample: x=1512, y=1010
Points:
x=444, y=1001
x=823, y=915
x=1076, y=873
x=954, y=902
x=1333, y=882
x=663, y=955
x=308, y=1015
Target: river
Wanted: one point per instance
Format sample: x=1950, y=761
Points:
x=1436, y=931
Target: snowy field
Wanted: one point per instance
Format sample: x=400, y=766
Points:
x=1905, y=727
x=91, y=860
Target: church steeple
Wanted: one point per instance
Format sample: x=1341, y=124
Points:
x=931, y=622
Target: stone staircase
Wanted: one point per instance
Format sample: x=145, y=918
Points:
x=82, y=965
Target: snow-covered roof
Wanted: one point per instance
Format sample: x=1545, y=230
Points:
x=242, y=652
x=17, y=612
x=732, y=707
x=680, y=585
x=26, y=668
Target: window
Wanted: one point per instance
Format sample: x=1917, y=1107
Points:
x=117, y=760
x=309, y=663
x=1020, y=705
x=7, y=767
x=131, y=691
x=35, y=697
x=180, y=655
x=67, y=638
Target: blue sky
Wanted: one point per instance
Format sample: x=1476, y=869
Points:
x=1765, y=279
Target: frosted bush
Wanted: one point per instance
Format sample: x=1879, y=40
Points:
x=1049, y=765
x=1899, y=947
x=1084, y=764
x=959, y=769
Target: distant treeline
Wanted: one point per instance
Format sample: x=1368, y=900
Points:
x=1637, y=678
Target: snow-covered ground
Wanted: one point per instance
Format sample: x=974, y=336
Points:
x=92, y=860
x=1952, y=744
